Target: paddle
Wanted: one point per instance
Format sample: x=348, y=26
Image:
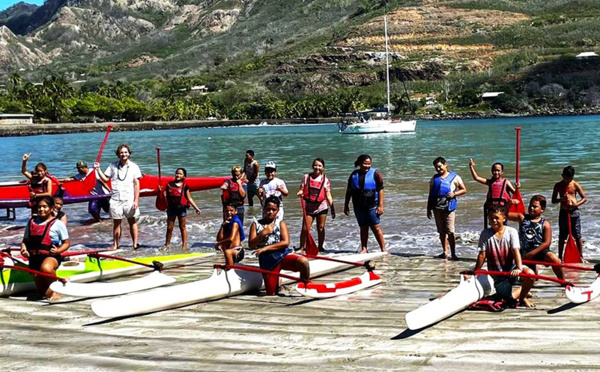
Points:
x=156, y=265
x=161, y=198
x=596, y=268
x=522, y=275
x=258, y=270
x=367, y=264
x=571, y=251
x=30, y=271
x=519, y=207
x=108, y=129
x=311, y=247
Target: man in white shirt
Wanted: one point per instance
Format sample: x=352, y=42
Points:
x=124, y=176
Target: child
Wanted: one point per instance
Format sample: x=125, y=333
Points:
x=234, y=191
x=272, y=186
x=270, y=239
x=57, y=211
x=535, y=234
x=444, y=187
x=179, y=199
x=500, y=189
x=231, y=235
x=40, y=184
x=251, y=173
x=566, y=192
x=499, y=245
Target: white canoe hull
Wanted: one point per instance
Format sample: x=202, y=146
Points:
x=220, y=285
x=468, y=291
x=579, y=295
x=104, y=289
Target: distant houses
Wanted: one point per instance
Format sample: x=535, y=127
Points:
x=8, y=119
x=490, y=96
x=585, y=55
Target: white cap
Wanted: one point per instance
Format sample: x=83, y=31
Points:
x=271, y=164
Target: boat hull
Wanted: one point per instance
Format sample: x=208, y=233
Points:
x=468, y=291
x=15, y=281
x=375, y=126
x=579, y=295
x=220, y=284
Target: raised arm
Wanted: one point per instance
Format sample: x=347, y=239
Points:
x=99, y=172
x=474, y=174
x=24, y=166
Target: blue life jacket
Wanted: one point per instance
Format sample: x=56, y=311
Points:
x=366, y=197
x=441, y=188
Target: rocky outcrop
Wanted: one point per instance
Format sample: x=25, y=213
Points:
x=15, y=54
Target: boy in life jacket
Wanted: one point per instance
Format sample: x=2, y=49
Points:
x=179, y=199
x=535, y=235
x=500, y=190
x=566, y=193
x=444, y=187
x=231, y=235
x=234, y=191
x=40, y=182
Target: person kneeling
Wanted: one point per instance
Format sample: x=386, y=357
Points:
x=231, y=235
x=270, y=239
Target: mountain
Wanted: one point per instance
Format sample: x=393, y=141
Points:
x=14, y=52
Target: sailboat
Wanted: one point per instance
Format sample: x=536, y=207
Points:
x=370, y=121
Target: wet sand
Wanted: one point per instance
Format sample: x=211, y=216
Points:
x=362, y=331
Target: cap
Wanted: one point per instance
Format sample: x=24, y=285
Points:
x=81, y=164
x=271, y=164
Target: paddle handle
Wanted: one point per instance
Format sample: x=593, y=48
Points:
x=518, y=129
x=99, y=157
x=257, y=270
x=565, y=265
x=522, y=275
x=158, y=163
x=34, y=272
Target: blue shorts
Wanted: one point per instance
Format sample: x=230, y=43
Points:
x=563, y=224
x=503, y=286
x=176, y=211
x=94, y=206
x=367, y=218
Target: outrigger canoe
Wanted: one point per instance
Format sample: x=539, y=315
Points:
x=92, y=269
x=16, y=194
x=222, y=284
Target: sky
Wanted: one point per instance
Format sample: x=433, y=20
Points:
x=5, y=4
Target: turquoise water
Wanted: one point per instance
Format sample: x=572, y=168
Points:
x=547, y=145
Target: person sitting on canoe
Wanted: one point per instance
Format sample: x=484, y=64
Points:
x=444, y=187
x=499, y=246
x=500, y=190
x=270, y=239
x=40, y=184
x=179, y=199
x=231, y=235
x=535, y=234
x=44, y=240
x=234, y=191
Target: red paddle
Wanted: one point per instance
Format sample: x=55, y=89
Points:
x=571, y=251
x=520, y=207
x=108, y=129
x=311, y=247
x=522, y=275
x=161, y=198
x=564, y=265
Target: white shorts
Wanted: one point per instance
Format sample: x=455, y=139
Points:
x=123, y=209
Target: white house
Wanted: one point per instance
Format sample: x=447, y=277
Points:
x=587, y=55
x=16, y=119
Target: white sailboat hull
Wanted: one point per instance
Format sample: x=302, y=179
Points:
x=220, y=285
x=379, y=126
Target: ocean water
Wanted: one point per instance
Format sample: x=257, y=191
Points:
x=405, y=161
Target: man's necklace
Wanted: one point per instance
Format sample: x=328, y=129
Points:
x=126, y=171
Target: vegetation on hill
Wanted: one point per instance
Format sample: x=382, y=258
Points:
x=323, y=58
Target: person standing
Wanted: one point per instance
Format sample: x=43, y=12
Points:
x=234, y=191
x=365, y=188
x=125, y=176
x=252, y=171
x=272, y=186
x=444, y=187
x=96, y=205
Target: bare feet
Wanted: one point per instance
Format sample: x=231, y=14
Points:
x=527, y=303
x=185, y=247
x=441, y=255
x=113, y=247
x=55, y=297
x=363, y=251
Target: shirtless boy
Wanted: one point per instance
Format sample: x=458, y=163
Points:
x=230, y=236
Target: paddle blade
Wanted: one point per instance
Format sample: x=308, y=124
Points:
x=311, y=247
x=519, y=207
x=571, y=251
x=161, y=200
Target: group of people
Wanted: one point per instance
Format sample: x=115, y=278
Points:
x=502, y=246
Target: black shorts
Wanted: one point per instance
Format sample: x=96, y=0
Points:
x=36, y=260
x=540, y=256
x=324, y=211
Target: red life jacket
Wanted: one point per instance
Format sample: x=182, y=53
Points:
x=39, y=237
x=176, y=195
x=314, y=191
x=498, y=193
x=232, y=194
x=39, y=187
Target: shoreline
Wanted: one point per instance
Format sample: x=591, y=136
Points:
x=21, y=130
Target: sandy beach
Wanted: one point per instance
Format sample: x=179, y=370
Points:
x=362, y=331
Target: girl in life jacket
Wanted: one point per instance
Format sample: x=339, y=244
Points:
x=179, y=199
x=315, y=191
x=40, y=182
x=500, y=190
x=44, y=240
x=234, y=191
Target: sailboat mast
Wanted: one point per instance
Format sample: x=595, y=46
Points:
x=387, y=65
